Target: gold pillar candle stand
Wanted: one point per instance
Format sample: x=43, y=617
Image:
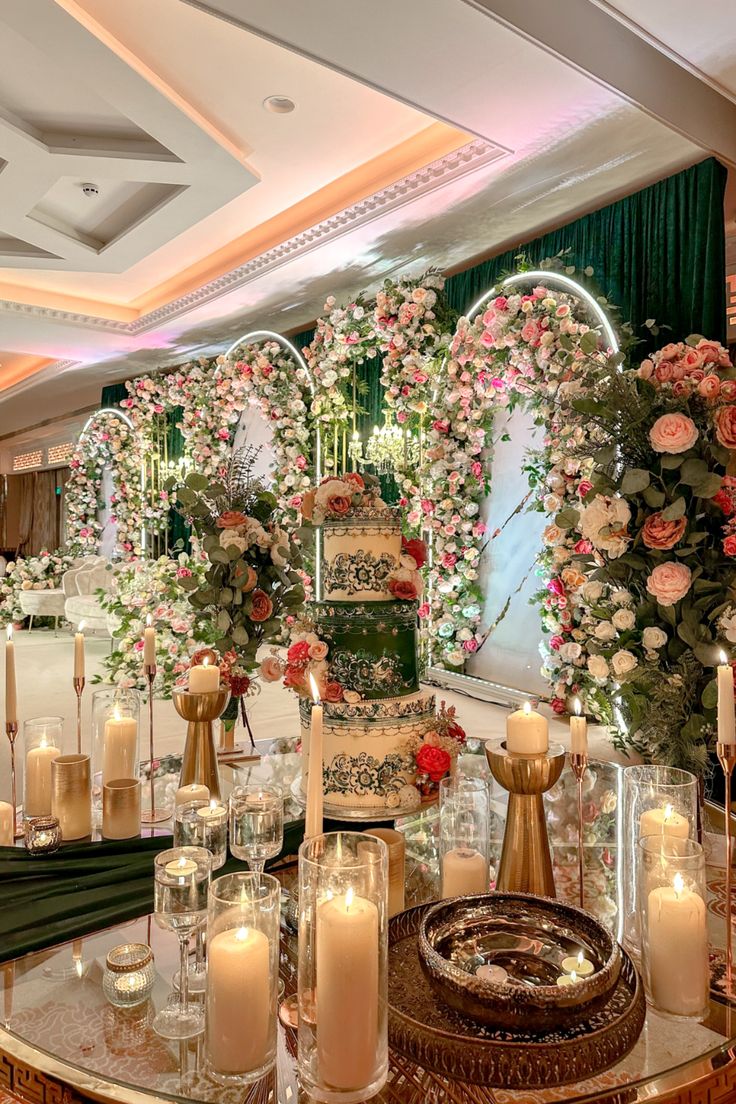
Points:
x=78, y=684
x=152, y=815
x=199, y=763
x=11, y=731
x=71, y=795
x=526, y=863
x=579, y=764
x=727, y=758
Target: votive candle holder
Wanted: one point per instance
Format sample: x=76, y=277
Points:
x=202, y=824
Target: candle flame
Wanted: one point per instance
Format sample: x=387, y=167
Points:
x=44, y=742
x=577, y=707
x=116, y=712
x=349, y=898
x=581, y=958
x=149, y=620
x=80, y=626
x=527, y=707
x=206, y=661
x=213, y=803
x=9, y=632
x=573, y=975
x=668, y=811
x=241, y=934
x=181, y=862
x=723, y=658
x=314, y=688
x=678, y=884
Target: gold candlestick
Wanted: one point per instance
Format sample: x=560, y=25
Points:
x=11, y=731
x=579, y=764
x=152, y=815
x=526, y=863
x=727, y=758
x=199, y=763
x=78, y=684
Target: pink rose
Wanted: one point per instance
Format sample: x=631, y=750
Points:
x=691, y=359
x=318, y=651
x=726, y=426
x=556, y=642
x=645, y=369
x=441, y=426
x=271, y=669
x=664, y=371
x=673, y=433
x=670, y=352
x=669, y=582
x=583, y=487
x=728, y=390
x=710, y=352
x=529, y=331
x=709, y=387
x=583, y=547
x=472, y=644
x=500, y=302
x=423, y=610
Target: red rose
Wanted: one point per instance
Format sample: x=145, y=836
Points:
x=332, y=692
x=726, y=426
x=559, y=705
x=729, y=545
x=456, y=732
x=658, y=533
x=403, y=589
x=339, y=505
x=231, y=519
x=724, y=501
x=355, y=480
x=261, y=606
x=298, y=653
x=415, y=548
x=294, y=679
x=433, y=761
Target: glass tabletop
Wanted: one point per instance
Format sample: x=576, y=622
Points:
x=56, y=1016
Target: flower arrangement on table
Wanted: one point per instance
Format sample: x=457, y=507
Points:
x=41, y=572
x=659, y=545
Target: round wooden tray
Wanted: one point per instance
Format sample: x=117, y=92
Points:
x=440, y=1039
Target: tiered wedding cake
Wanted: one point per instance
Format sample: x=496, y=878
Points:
x=360, y=642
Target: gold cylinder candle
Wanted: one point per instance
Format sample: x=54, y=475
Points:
x=121, y=808
x=396, y=844
x=71, y=795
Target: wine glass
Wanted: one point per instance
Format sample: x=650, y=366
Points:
x=181, y=882
x=256, y=823
x=201, y=824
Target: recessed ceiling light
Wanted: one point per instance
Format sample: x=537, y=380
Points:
x=279, y=105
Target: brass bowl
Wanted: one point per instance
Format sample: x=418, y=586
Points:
x=528, y=937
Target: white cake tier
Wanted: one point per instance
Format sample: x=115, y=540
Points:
x=359, y=552
x=367, y=755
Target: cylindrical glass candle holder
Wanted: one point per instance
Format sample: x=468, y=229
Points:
x=243, y=913
x=658, y=801
x=129, y=975
x=464, y=836
x=71, y=795
x=343, y=951
x=674, y=925
x=121, y=808
x=42, y=835
x=42, y=738
x=202, y=824
x=396, y=844
x=115, y=738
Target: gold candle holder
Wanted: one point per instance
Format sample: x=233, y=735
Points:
x=121, y=808
x=78, y=684
x=199, y=763
x=579, y=764
x=152, y=815
x=71, y=795
x=11, y=731
x=727, y=758
x=526, y=863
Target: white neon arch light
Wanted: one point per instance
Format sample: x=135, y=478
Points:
x=567, y=284
x=131, y=425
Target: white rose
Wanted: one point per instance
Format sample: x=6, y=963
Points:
x=622, y=597
x=604, y=523
x=624, y=619
x=728, y=626
x=232, y=536
x=623, y=662
x=592, y=591
x=597, y=666
x=604, y=631
x=653, y=637
x=570, y=651
x=552, y=503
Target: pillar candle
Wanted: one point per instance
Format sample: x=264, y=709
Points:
x=149, y=644
x=313, y=819
x=663, y=822
x=464, y=871
x=238, y=1000
x=193, y=792
x=11, y=695
x=347, y=990
x=38, y=779
x=578, y=732
x=121, y=808
x=396, y=844
x=204, y=678
x=119, y=743
x=6, y=824
x=678, y=949
x=527, y=732
x=726, y=713
x=79, y=654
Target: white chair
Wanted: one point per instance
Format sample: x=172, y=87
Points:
x=42, y=603
x=81, y=602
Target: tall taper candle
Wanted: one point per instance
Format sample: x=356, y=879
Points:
x=11, y=694
x=79, y=653
x=726, y=714
x=313, y=819
x=578, y=732
x=149, y=643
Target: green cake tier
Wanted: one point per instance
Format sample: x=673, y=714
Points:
x=372, y=646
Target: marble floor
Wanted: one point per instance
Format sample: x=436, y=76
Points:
x=44, y=675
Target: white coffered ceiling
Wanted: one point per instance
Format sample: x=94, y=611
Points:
x=429, y=131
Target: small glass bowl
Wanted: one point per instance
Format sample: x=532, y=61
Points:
x=42, y=835
x=129, y=975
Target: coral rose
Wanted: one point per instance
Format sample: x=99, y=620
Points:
x=246, y=578
x=729, y=545
x=673, y=433
x=333, y=692
x=433, y=761
x=726, y=426
x=271, y=669
x=318, y=650
x=662, y=534
x=261, y=606
x=355, y=479
x=338, y=504
x=709, y=387
x=298, y=653
x=415, y=548
x=669, y=582
x=403, y=589
x=231, y=519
